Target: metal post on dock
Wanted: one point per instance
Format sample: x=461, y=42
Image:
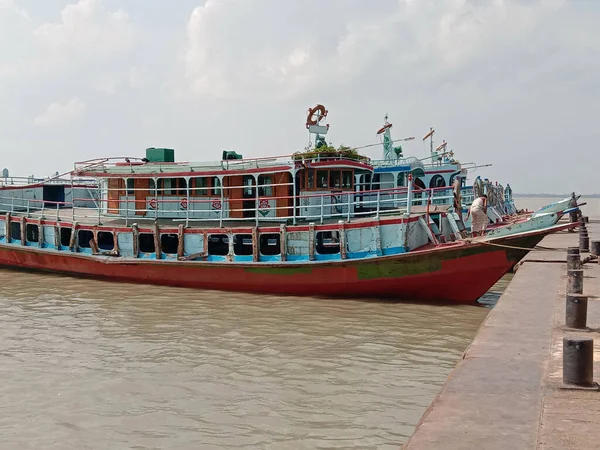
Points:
x=575, y=281
x=576, y=311
x=584, y=240
x=578, y=361
x=595, y=248
x=573, y=261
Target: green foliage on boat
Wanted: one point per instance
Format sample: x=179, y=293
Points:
x=326, y=151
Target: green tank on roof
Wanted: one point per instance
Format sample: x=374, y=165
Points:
x=160, y=154
x=230, y=154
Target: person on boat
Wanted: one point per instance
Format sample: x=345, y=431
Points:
x=478, y=213
x=457, y=201
x=575, y=214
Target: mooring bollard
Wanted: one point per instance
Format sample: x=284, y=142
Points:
x=575, y=281
x=584, y=243
x=576, y=311
x=578, y=361
x=595, y=248
x=573, y=261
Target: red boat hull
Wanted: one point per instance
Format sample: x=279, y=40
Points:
x=458, y=272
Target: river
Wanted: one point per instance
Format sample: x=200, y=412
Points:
x=95, y=365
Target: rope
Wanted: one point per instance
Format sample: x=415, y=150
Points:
x=537, y=247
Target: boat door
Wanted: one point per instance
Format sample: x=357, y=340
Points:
x=249, y=196
x=53, y=194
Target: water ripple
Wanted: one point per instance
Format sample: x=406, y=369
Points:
x=95, y=365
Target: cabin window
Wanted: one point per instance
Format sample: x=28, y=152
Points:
x=265, y=189
x=322, y=179
x=375, y=182
x=152, y=186
x=242, y=244
x=130, y=186
x=33, y=232
x=84, y=237
x=336, y=179
x=146, y=241
x=106, y=240
x=364, y=182
x=328, y=242
x=202, y=185
x=270, y=244
x=15, y=231
x=347, y=176
x=172, y=186
x=216, y=186
x=401, y=180
x=437, y=182
x=387, y=181
x=218, y=244
x=310, y=179
x=65, y=236
x=169, y=243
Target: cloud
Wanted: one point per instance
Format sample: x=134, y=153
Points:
x=242, y=49
x=86, y=31
x=58, y=113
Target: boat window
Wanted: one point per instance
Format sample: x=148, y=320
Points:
x=310, y=175
x=172, y=186
x=84, y=237
x=65, y=236
x=322, y=179
x=242, y=244
x=375, y=182
x=437, y=182
x=218, y=244
x=270, y=244
x=216, y=186
x=387, y=181
x=328, y=242
x=130, y=186
x=33, y=232
x=15, y=231
x=106, y=240
x=336, y=179
x=401, y=180
x=152, y=185
x=347, y=179
x=146, y=241
x=265, y=189
x=202, y=185
x=169, y=243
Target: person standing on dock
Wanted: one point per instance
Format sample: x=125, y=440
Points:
x=478, y=213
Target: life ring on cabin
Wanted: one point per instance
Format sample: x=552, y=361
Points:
x=153, y=203
x=383, y=128
x=184, y=203
x=312, y=111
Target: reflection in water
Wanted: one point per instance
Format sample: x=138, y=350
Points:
x=89, y=364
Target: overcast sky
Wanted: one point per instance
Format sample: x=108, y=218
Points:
x=510, y=83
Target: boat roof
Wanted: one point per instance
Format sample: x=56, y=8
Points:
x=135, y=167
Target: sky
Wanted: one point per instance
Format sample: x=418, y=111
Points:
x=513, y=83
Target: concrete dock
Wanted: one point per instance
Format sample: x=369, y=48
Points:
x=506, y=392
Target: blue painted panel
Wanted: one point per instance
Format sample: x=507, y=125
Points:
x=394, y=250
x=125, y=241
x=216, y=258
x=270, y=258
x=193, y=243
x=244, y=258
x=297, y=258
x=392, y=169
x=318, y=257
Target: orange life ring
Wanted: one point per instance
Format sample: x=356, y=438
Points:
x=311, y=113
x=383, y=128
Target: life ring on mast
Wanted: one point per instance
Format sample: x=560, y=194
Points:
x=383, y=128
x=312, y=111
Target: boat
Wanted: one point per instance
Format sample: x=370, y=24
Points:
x=299, y=224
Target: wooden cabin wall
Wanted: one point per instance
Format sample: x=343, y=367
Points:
x=235, y=195
x=116, y=188
x=283, y=204
x=140, y=195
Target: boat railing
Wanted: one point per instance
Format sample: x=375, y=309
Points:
x=216, y=204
